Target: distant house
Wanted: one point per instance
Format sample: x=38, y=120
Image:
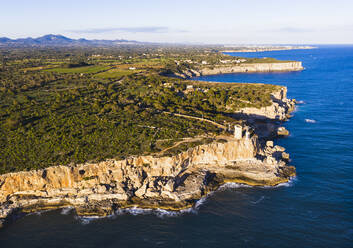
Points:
x=204, y=62
x=189, y=88
x=225, y=61
x=240, y=61
x=168, y=85
x=132, y=68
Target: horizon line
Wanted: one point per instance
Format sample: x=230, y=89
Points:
x=182, y=43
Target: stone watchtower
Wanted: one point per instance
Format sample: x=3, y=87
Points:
x=247, y=133
x=238, y=131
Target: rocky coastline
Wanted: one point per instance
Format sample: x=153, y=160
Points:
x=241, y=68
x=171, y=183
x=253, y=49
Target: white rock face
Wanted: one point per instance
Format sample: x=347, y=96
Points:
x=238, y=132
x=269, y=143
x=174, y=182
x=146, y=181
x=278, y=110
x=254, y=67
x=242, y=68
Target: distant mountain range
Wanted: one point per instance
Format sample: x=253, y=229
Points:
x=60, y=40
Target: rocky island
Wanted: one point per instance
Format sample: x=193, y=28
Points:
x=132, y=137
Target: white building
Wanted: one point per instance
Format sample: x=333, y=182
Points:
x=238, y=131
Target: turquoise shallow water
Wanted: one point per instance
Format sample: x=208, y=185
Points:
x=315, y=210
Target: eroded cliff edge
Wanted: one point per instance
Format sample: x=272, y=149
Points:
x=173, y=183
x=242, y=68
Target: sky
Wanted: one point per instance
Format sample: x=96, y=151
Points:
x=183, y=21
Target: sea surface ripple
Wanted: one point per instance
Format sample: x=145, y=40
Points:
x=314, y=210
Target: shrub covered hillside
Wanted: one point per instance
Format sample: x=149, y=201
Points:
x=111, y=107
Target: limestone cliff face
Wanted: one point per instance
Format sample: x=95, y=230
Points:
x=173, y=183
x=145, y=181
x=278, y=110
x=254, y=67
x=243, y=68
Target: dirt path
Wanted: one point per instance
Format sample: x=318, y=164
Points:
x=185, y=140
x=197, y=118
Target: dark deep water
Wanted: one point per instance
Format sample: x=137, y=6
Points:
x=315, y=210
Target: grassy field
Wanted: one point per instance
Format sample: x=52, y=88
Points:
x=84, y=69
x=265, y=60
x=115, y=73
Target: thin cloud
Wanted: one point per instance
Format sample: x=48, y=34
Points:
x=318, y=29
x=150, y=29
x=294, y=30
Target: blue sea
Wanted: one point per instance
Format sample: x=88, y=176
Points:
x=313, y=210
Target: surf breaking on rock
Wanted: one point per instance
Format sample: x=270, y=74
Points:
x=147, y=182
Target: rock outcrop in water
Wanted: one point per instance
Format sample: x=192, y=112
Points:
x=242, y=68
x=172, y=183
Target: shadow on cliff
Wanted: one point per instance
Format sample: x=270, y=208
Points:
x=265, y=128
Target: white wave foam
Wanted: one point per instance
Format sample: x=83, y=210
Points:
x=66, y=211
x=300, y=102
x=133, y=211
x=88, y=219
x=233, y=186
x=310, y=121
x=290, y=183
x=201, y=202
x=39, y=212
x=225, y=186
x=259, y=200
x=162, y=213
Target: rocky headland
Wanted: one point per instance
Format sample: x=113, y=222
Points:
x=241, y=68
x=250, y=49
x=246, y=156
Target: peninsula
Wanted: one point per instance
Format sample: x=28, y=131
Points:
x=222, y=64
x=104, y=129
x=264, y=48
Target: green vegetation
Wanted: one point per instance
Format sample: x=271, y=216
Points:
x=185, y=146
x=114, y=73
x=265, y=60
x=80, y=69
x=54, y=110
